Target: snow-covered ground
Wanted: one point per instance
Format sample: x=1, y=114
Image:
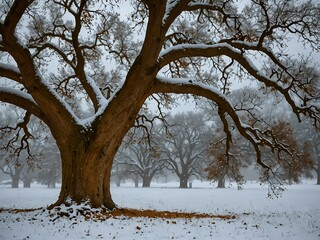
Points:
x=296, y=215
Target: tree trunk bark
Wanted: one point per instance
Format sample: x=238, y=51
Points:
x=15, y=182
x=318, y=173
x=86, y=176
x=221, y=182
x=87, y=158
x=53, y=178
x=118, y=180
x=27, y=183
x=15, y=177
x=136, y=181
x=87, y=154
x=146, y=181
x=52, y=184
x=183, y=182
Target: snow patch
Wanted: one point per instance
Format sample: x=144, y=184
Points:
x=169, y=6
x=187, y=46
x=21, y=94
x=296, y=215
x=9, y=67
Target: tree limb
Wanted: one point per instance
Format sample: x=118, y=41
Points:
x=220, y=49
x=14, y=15
x=23, y=100
x=10, y=72
x=185, y=87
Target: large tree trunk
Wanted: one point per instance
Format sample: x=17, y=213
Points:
x=87, y=154
x=86, y=177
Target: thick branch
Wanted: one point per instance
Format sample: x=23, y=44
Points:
x=10, y=72
x=17, y=9
x=22, y=100
x=187, y=87
x=79, y=69
x=220, y=49
x=46, y=99
x=195, y=50
x=172, y=11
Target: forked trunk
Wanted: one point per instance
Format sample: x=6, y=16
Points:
x=87, y=154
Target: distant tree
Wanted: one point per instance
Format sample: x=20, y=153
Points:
x=119, y=172
x=49, y=172
x=14, y=171
x=143, y=159
x=291, y=158
x=185, y=147
x=314, y=147
x=308, y=137
x=223, y=165
x=18, y=168
x=227, y=159
x=116, y=173
x=27, y=176
x=308, y=134
x=196, y=47
x=20, y=160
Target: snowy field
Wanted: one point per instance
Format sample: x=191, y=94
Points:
x=296, y=215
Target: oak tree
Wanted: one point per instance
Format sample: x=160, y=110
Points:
x=293, y=158
x=20, y=146
x=224, y=166
x=310, y=137
x=53, y=62
x=141, y=156
x=185, y=147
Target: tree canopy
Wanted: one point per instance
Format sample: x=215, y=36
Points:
x=86, y=72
